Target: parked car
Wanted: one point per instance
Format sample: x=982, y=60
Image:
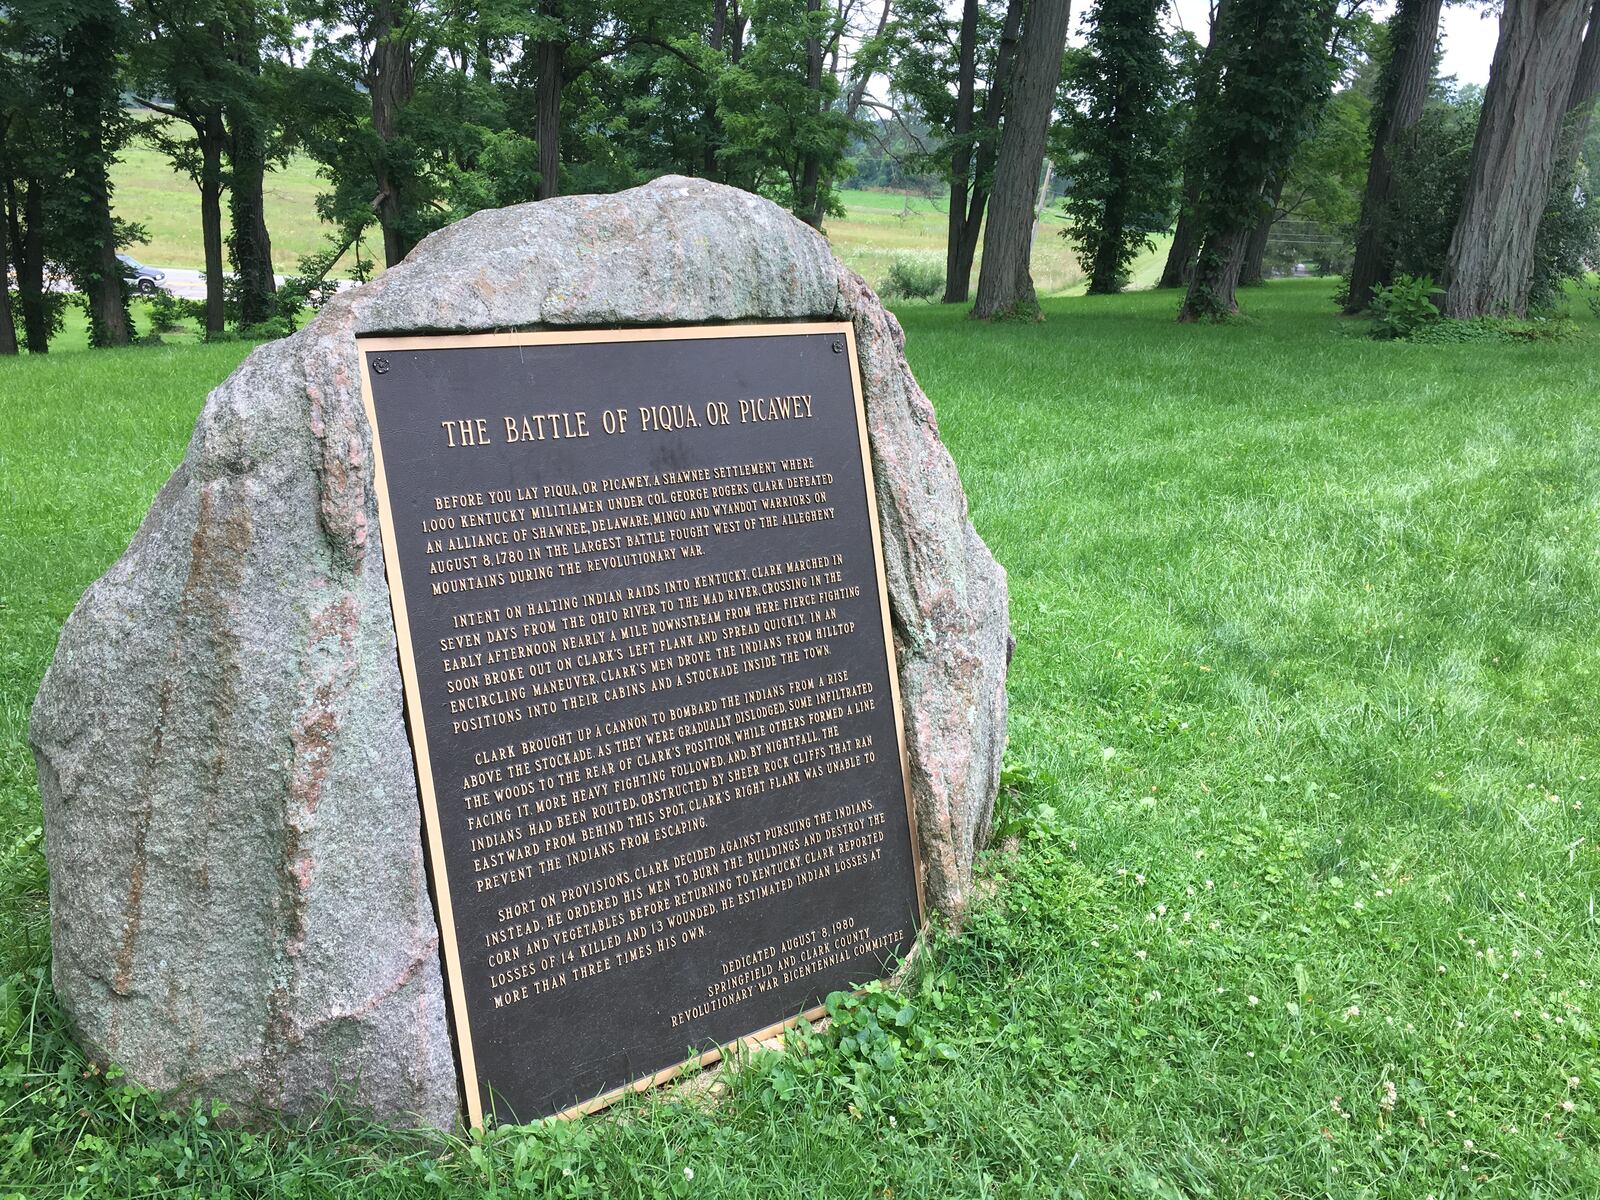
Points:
x=145, y=280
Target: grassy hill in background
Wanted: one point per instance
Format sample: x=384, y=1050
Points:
x=877, y=227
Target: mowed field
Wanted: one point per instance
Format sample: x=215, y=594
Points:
x=1297, y=896
x=877, y=228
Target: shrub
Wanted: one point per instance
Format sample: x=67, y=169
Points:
x=1404, y=307
x=912, y=279
x=168, y=312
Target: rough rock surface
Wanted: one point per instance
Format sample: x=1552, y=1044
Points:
x=238, y=900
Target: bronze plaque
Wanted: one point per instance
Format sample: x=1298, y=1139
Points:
x=644, y=636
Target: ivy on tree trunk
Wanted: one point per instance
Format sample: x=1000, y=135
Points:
x=1275, y=67
x=93, y=126
x=248, y=124
x=1185, y=248
x=1413, y=34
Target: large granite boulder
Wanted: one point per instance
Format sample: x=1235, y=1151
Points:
x=238, y=898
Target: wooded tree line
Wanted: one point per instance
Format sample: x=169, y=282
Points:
x=419, y=112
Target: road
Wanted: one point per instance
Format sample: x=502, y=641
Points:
x=191, y=285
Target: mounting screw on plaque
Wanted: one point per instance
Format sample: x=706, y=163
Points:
x=838, y=347
x=380, y=366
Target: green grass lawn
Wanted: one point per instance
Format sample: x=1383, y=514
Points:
x=1302, y=776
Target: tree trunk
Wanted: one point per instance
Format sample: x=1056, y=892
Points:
x=1181, y=254
x=88, y=71
x=8, y=327
x=708, y=114
x=211, y=139
x=1213, y=287
x=1489, y=267
x=1004, y=283
x=27, y=252
x=961, y=150
x=1255, y=250
x=808, y=202
x=249, y=241
x=550, y=62
x=958, y=263
x=1185, y=248
x=1105, y=274
x=391, y=81
x=858, y=92
x=1405, y=90
x=252, y=244
x=102, y=285
x=1581, y=99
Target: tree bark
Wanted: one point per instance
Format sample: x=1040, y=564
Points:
x=961, y=149
x=1400, y=107
x=1005, y=285
x=958, y=262
x=1489, y=266
x=1581, y=99
x=1105, y=274
x=8, y=326
x=211, y=139
x=708, y=114
x=1251, y=273
x=550, y=62
x=102, y=285
x=1185, y=248
x=27, y=252
x=89, y=72
x=808, y=201
x=249, y=241
x=1185, y=240
x=1216, y=272
x=858, y=92
x=391, y=82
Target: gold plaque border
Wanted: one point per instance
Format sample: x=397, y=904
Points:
x=413, y=701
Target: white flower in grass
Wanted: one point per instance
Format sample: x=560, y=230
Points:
x=1352, y=1012
x=1568, y=1106
x=1141, y=955
x=688, y=1172
x=1254, y=1000
x=1573, y=1081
